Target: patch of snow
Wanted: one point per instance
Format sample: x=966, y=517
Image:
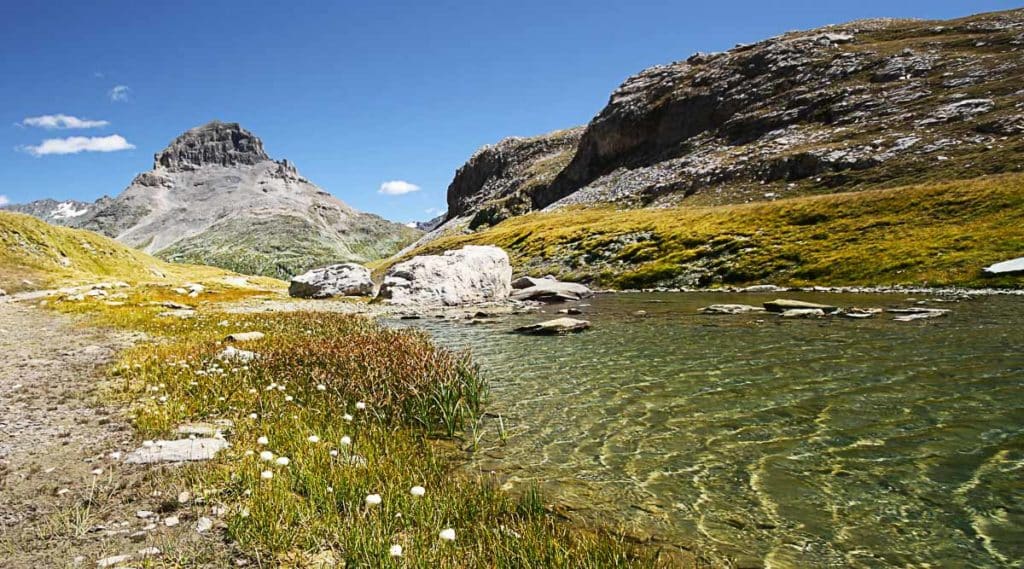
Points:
x=67, y=210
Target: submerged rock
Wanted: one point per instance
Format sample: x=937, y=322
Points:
x=911, y=314
x=346, y=279
x=803, y=313
x=784, y=304
x=731, y=309
x=555, y=327
x=182, y=450
x=471, y=275
x=859, y=312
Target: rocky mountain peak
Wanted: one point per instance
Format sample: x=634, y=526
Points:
x=214, y=143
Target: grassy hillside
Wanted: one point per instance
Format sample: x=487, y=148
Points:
x=929, y=234
x=285, y=245
x=48, y=256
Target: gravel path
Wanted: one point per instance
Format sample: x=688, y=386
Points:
x=65, y=498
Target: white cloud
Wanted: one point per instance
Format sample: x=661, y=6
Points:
x=61, y=121
x=76, y=144
x=4, y=201
x=435, y=211
x=119, y=93
x=411, y=225
x=397, y=188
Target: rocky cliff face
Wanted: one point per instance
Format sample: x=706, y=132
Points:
x=215, y=143
x=848, y=107
x=501, y=180
x=214, y=197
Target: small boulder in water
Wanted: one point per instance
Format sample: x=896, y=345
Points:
x=730, y=309
x=784, y=304
x=803, y=313
x=550, y=290
x=474, y=274
x=555, y=327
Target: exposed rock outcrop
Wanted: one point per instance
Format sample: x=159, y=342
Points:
x=499, y=181
x=471, y=275
x=346, y=279
x=215, y=143
x=840, y=108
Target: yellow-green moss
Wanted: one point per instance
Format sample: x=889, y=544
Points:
x=929, y=234
x=47, y=255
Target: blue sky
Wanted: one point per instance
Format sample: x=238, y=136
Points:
x=354, y=93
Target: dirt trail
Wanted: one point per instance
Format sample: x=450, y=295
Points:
x=66, y=500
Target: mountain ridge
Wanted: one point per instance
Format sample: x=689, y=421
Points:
x=843, y=107
x=838, y=110
x=207, y=192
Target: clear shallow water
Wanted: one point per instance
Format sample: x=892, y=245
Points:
x=782, y=443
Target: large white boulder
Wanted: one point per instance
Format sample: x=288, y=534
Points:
x=346, y=279
x=472, y=275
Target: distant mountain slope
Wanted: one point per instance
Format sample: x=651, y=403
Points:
x=36, y=255
x=215, y=197
x=868, y=104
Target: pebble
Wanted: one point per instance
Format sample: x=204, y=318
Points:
x=204, y=524
x=114, y=560
x=171, y=521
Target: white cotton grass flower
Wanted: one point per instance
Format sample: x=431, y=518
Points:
x=418, y=491
x=266, y=475
x=447, y=534
x=347, y=417
x=253, y=416
x=283, y=461
x=266, y=456
x=321, y=387
x=333, y=452
x=313, y=439
x=373, y=499
x=263, y=440
x=97, y=471
x=288, y=398
x=346, y=440
x=360, y=405
x=395, y=550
